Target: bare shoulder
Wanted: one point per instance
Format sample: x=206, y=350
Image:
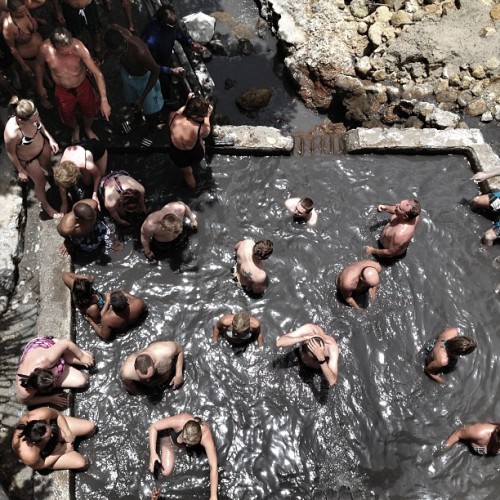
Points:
x=254, y=323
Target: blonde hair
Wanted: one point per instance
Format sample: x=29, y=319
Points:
x=191, y=432
x=171, y=223
x=241, y=322
x=22, y=108
x=66, y=174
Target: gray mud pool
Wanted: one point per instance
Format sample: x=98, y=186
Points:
x=280, y=433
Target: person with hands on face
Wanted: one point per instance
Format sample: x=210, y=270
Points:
x=47, y=366
x=44, y=440
x=29, y=147
x=120, y=312
x=317, y=350
x=164, y=229
x=153, y=366
x=398, y=233
x=183, y=430
x=483, y=438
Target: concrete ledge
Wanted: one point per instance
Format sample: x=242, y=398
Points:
x=469, y=142
x=55, y=318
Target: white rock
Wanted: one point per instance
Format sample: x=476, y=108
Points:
x=200, y=26
x=487, y=116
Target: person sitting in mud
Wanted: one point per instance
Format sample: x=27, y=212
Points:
x=358, y=278
x=122, y=196
x=317, y=350
x=189, y=125
x=153, y=366
x=482, y=438
x=443, y=352
x=238, y=329
x=164, y=230
x=85, y=297
x=29, y=147
x=121, y=311
x=81, y=229
x=302, y=210
x=86, y=164
x=44, y=440
x=398, y=233
x=249, y=273
x=183, y=430
x=139, y=74
x=46, y=367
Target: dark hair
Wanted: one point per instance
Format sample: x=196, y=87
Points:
x=307, y=203
x=130, y=199
x=263, y=249
x=196, y=107
x=114, y=39
x=40, y=379
x=83, y=211
x=493, y=446
x=61, y=37
x=414, y=210
x=460, y=346
x=118, y=300
x=13, y=5
x=33, y=431
x=82, y=292
x=143, y=362
x=167, y=14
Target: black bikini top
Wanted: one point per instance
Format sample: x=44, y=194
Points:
x=25, y=140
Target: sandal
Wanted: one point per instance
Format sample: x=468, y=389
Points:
x=126, y=127
x=146, y=143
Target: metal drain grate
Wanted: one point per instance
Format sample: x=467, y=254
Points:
x=307, y=144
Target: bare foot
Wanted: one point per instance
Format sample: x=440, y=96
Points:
x=57, y=216
x=45, y=103
x=91, y=134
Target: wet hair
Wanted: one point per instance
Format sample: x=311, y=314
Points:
x=460, y=346
x=167, y=14
x=493, y=446
x=307, y=203
x=13, y=5
x=41, y=380
x=263, y=249
x=171, y=223
x=372, y=278
x=23, y=109
x=66, y=174
x=114, y=39
x=118, y=300
x=61, y=37
x=130, y=199
x=82, y=292
x=414, y=210
x=83, y=212
x=191, y=432
x=143, y=363
x=196, y=107
x=241, y=322
x=33, y=431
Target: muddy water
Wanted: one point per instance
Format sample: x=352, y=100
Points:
x=279, y=432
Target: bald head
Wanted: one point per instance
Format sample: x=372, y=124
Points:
x=370, y=276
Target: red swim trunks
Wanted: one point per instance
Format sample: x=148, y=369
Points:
x=84, y=95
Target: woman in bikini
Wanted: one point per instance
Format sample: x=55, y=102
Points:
x=44, y=440
x=87, y=163
x=46, y=367
x=122, y=195
x=20, y=33
x=482, y=438
x=182, y=431
x=88, y=300
x=29, y=147
x=189, y=125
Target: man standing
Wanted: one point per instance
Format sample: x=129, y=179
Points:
x=68, y=60
x=139, y=73
x=397, y=234
x=318, y=351
x=249, y=273
x=302, y=210
x=153, y=366
x=357, y=278
x=164, y=229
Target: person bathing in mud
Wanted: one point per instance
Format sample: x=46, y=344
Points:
x=238, y=329
x=398, y=233
x=317, y=350
x=153, y=366
x=302, y=210
x=164, y=229
x=68, y=61
x=249, y=273
x=443, y=352
x=358, y=278
x=482, y=438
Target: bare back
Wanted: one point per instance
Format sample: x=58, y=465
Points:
x=397, y=234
